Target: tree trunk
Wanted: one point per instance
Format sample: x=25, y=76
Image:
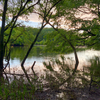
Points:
x=76, y=58
x=2, y=49
x=1, y=52
x=1, y=57
x=1, y=64
x=76, y=61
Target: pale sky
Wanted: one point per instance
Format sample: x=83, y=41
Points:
x=32, y=17
x=35, y=21
x=28, y=23
x=31, y=24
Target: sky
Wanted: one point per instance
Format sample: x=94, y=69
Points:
x=33, y=20
x=31, y=23
x=34, y=24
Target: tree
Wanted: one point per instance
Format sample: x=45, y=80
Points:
x=91, y=33
x=15, y=9
x=67, y=17
x=86, y=28
x=45, y=11
x=91, y=27
x=12, y=9
x=64, y=38
x=83, y=16
x=80, y=15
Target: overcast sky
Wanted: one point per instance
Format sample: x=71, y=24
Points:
x=33, y=20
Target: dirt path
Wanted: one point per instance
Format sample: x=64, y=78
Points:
x=69, y=94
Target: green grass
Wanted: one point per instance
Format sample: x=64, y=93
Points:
x=18, y=90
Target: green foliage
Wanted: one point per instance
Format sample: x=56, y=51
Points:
x=25, y=36
x=66, y=15
x=58, y=41
x=92, y=32
x=60, y=70
x=15, y=90
x=94, y=69
x=48, y=66
x=92, y=72
x=19, y=89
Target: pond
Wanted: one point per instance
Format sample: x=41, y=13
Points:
x=37, y=54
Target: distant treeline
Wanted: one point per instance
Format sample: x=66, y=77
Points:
x=22, y=36
x=25, y=36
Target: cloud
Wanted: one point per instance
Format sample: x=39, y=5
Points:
x=31, y=17
x=34, y=18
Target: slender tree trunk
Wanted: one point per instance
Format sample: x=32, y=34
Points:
x=1, y=54
x=76, y=58
x=2, y=38
x=22, y=64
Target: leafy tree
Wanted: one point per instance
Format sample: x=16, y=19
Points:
x=62, y=40
x=86, y=29
x=12, y=9
x=45, y=11
x=88, y=23
x=16, y=9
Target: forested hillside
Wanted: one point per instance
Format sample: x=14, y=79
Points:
x=25, y=36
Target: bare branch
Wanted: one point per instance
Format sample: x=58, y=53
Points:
x=30, y=7
x=21, y=11
x=83, y=11
x=43, y=25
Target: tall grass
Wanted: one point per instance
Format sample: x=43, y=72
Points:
x=19, y=89
x=82, y=78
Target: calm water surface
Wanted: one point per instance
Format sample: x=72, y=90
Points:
x=37, y=55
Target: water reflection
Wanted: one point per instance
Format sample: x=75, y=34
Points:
x=37, y=55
